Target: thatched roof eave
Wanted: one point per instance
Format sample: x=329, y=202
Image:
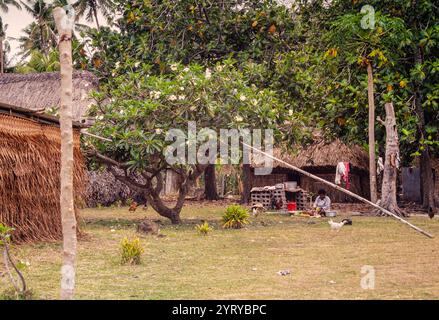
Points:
x=29, y=114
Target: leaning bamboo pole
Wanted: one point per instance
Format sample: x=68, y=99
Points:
x=64, y=20
x=332, y=185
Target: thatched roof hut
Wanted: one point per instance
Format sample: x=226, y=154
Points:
x=29, y=173
x=40, y=91
x=320, y=155
x=320, y=158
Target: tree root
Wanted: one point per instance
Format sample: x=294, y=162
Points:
x=392, y=208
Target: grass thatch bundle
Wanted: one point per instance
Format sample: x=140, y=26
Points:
x=29, y=178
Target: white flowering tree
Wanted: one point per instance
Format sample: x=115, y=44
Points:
x=137, y=109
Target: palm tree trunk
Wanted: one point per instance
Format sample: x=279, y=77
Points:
x=43, y=42
x=1, y=56
x=66, y=199
x=427, y=179
x=95, y=14
x=372, y=164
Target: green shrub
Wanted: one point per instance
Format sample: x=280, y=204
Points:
x=235, y=217
x=131, y=251
x=203, y=228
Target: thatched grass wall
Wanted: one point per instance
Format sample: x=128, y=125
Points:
x=29, y=178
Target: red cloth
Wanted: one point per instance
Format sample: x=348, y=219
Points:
x=345, y=177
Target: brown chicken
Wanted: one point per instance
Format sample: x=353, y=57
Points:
x=133, y=206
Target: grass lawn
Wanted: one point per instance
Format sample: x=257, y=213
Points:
x=242, y=264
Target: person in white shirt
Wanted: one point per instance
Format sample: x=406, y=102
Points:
x=322, y=203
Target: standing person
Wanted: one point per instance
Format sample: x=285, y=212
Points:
x=322, y=203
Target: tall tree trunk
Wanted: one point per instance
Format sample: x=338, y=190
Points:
x=210, y=191
x=247, y=183
x=43, y=42
x=372, y=163
x=388, y=189
x=95, y=14
x=427, y=182
x=1, y=56
x=66, y=199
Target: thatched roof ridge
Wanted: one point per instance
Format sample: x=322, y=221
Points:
x=39, y=91
x=321, y=154
x=45, y=76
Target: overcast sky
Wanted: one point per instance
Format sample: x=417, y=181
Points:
x=17, y=20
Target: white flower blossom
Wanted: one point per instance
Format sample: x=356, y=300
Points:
x=234, y=91
x=208, y=73
x=242, y=98
x=158, y=131
x=181, y=97
x=117, y=64
x=238, y=118
x=255, y=102
x=181, y=88
x=155, y=94
x=186, y=69
x=219, y=68
x=290, y=112
x=174, y=67
x=137, y=64
x=172, y=98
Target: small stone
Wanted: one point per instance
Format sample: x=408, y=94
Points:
x=283, y=272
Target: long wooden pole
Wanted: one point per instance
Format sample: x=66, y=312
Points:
x=332, y=185
x=64, y=25
x=372, y=163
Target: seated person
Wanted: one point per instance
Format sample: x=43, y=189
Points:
x=322, y=203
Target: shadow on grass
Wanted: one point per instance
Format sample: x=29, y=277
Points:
x=265, y=221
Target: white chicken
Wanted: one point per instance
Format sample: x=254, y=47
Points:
x=257, y=208
x=336, y=226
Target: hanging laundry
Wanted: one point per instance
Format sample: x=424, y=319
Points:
x=345, y=177
x=342, y=174
x=380, y=166
x=339, y=172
